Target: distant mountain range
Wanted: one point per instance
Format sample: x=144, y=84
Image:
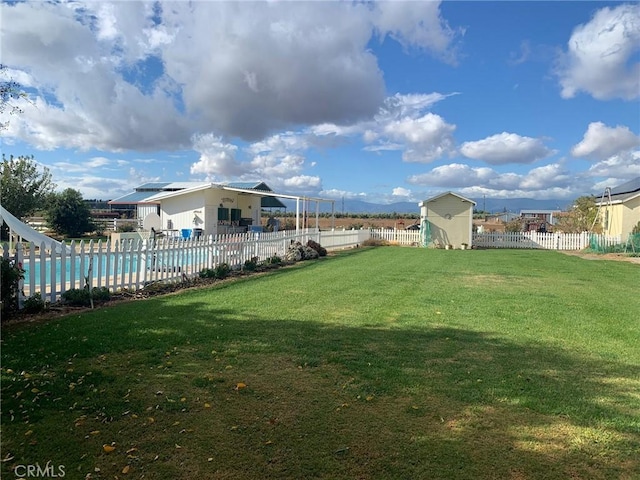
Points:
x=492, y=205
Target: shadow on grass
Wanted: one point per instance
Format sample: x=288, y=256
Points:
x=424, y=403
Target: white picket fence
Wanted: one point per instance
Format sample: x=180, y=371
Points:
x=130, y=264
x=549, y=241
x=400, y=237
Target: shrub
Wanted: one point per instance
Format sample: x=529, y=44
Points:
x=207, y=273
x=275, y=260
x=11, y=274
x=101, y=294
x=222, y=270
x=79, y=297
x=251, y=264
x=374, y=242
x=126, y=227
x=34, y=304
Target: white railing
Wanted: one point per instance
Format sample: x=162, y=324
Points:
x=549, y=241
x=132, y=263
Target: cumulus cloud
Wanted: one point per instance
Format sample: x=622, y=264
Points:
x=600, y=141
x=622, y=167
x=402, y=124
x=401, y=192
x=336, y=193
x=601, y=58
x=541, y=182
x=144, y=75
x=427, y=138
x=217, y=158
x=506, y=148
x=431, y=33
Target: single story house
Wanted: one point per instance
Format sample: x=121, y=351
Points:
x=447, y=219
x=619, y=208
x=191, y=209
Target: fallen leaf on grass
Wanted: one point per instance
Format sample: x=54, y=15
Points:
x=125, y=470
x=207, y=405
x=239, y=386
x=108, y=448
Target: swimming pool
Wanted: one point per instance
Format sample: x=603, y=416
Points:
x=118, y=264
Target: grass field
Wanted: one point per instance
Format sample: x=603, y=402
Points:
x=384, y=363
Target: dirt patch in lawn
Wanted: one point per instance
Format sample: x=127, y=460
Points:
x=618, y=257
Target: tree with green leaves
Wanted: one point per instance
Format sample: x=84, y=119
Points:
x=24, y=186
x=68, y=214
x=580, y=217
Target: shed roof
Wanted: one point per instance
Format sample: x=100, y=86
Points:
x=433, y=199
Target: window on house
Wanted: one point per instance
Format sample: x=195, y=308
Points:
x=223, y=214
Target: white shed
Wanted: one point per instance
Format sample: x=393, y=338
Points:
x=447, y=219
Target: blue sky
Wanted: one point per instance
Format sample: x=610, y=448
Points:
x=383, y=102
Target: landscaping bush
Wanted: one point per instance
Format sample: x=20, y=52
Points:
x=374, y=242
x=79, y=297
x=11, y=275
x=251, y=264
x=126, y=227
x=207, y=273
x=222, y=270
x=34, y=304
x=275, y=260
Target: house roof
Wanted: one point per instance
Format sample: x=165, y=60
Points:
x=131, y=198
x=155, y=192
x=271, y=202
x=144, y=192
x=433, y=199
x=261, y=186
x=622, y=193
x=627, y=187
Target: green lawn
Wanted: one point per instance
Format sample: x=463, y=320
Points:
x=384, y=363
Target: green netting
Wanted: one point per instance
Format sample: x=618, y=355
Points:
x=598, y=243
x=633, y=243
x=425, y=233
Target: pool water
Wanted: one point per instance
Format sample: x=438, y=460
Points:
x=122, y=266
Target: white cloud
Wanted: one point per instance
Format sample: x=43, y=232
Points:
x=600, y=141
x=430, y=33
x=454, y=175
x=217, y=158
x=339, y=194
x=428, y=137
x=302, y=183
x=541, y=182
x=506, y=148
x=601, y=59
x=230, y=68
x=622, y=166
x=401, y=192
